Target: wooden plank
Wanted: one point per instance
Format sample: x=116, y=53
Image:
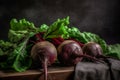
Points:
x=54, y=73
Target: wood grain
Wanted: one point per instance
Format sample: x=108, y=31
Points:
x=54, y=73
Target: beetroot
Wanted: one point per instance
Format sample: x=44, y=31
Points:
x=67, y=52
x=44, y=53
x=92, y=49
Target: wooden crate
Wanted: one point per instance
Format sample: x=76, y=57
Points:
x=54, y=73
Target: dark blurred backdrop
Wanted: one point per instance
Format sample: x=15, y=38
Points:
x=101, y=17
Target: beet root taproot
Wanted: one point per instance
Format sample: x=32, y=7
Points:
x=44, y=54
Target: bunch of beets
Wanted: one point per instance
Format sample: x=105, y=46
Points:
x=68, y=52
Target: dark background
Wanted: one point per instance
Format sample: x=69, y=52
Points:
x=101, y=17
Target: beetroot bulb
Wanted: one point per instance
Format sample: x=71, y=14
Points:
x=44, y=54
x=70, y=53
x=92, y=49
x=67, y=51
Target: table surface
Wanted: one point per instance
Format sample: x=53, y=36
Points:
x=54, y=73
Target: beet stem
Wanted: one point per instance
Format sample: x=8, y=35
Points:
x=102, y=56
x=44, y=65
x=56, y=41
x=89, y=57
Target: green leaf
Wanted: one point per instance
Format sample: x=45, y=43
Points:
x=1, y=52
x=22, y=60
x=114, y=51
x=22, y=24
x=20, y=29
x=57, y=28
x=43, y=28
x=6, y=46
x=18, y=59
x=16, y=36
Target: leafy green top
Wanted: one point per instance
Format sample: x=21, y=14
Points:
x=16, y=49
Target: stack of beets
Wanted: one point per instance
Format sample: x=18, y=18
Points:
x=68, y=52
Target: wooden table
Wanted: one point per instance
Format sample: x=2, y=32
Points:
x=54, y=73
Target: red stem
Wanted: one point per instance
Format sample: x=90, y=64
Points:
x=102, y=56
x=39, y=37
x=90, y=57
x=56, y=42
x=60, y=39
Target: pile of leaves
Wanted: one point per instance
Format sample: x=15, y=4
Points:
x=15, y=53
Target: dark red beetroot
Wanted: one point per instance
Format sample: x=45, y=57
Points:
x=67, y=51
x=92, y=49
x=70, y=53
x=45, y=54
